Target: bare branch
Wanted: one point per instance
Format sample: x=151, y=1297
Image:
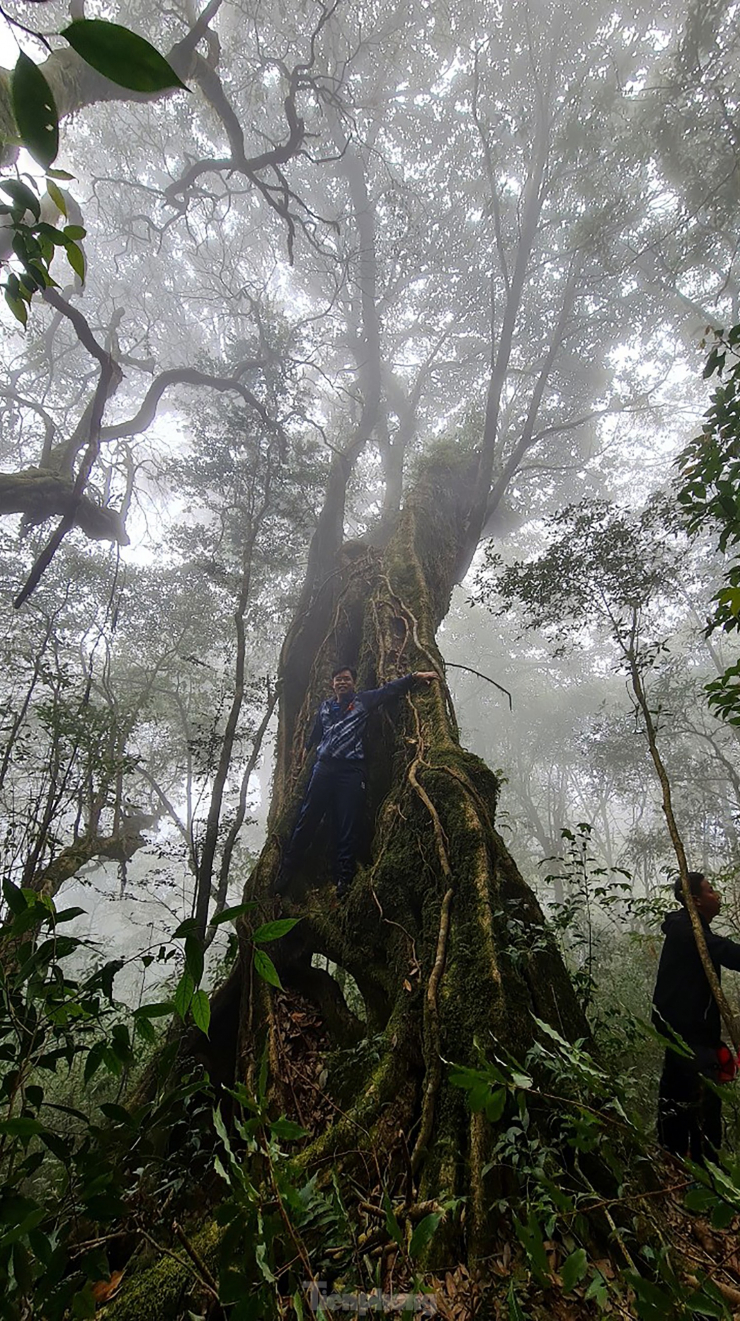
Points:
x=181, y=376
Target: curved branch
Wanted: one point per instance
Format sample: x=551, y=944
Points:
x=108, y=382
x=180, y=376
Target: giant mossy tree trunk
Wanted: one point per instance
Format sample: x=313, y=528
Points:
x=442, y=937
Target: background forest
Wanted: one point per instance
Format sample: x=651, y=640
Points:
x=459, y=264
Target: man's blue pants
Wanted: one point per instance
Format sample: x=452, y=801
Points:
x=336, y=790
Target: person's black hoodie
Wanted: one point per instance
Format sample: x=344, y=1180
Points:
x=683, y=998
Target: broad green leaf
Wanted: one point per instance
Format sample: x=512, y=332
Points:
x=187, y=928
x=184, y=994
x=14, y=1208
x=265, y=968
x=274, y=930
x=67, y=914
x=76, y=259
x=200, y=1007
x=231, y=914
x=74, y=232
x=598, y=1290
x=21, y=1126
x=121, y=1043
x=194, y=958
x=94, y=1059
x=144, y=1029
x=423, y=1233
x=57, y=1145
x=531, y=1238
x=160, y=1010
x=124, y=57
x=17, y=307
x=24, y=198
x=117, y=1113
x=495, y=1104
x=14, y=898
x=287, y=1130
x=574, y=1269
x=64, y=175
x=35, y=111
x=83, y=1304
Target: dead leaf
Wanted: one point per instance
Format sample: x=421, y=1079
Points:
x=104, y=1289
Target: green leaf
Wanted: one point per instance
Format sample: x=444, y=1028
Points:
x=265, y=968
x=184, y=994
x=67, y=914
x=231, y=914
x=57, y=1145
x=144, y=1029
x=574, y=1269
x=124, y=57
x=24, y=198
x=94, y=1059
x=187, y=928
x=723, y=1215
x=598, y=1290
x=35, y=111
x=160, y=1010
x=512, y=1302
x=83, y=1303
x=287, y=1130
x=200, y=1007
x=391, y=1223
x=117, y=1113
x=494, y=1105
x=74, y=232
x=21, y=1126
x=14, y=897
x=194, y=958
x=423, y=1234
x=76, y=259
x=531, y=1238
x=274, y=930
x=64, y=175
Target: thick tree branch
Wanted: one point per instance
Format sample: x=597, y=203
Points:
x=181, y=376
x=108, y=382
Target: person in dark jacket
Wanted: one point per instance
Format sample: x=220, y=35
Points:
x=689, y=1112
x=337, y=785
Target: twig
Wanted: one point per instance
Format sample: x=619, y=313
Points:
x=452, y=665
x=169, y=1253
x=197, y=1260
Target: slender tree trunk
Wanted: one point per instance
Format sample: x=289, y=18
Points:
x=723, y=1005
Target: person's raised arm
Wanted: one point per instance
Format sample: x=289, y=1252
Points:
x=374, y=697
x=723, y=950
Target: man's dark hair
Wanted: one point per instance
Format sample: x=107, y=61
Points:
x=695, y=880
x=340, y=669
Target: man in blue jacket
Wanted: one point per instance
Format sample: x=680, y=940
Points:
x=337, y=785
x=690, y=1113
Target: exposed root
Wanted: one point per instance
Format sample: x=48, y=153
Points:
x=434, y=1063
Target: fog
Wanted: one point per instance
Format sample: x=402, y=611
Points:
x=365, y=235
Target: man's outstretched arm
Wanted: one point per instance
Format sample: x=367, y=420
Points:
x=724, y=950
x=374, y=697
